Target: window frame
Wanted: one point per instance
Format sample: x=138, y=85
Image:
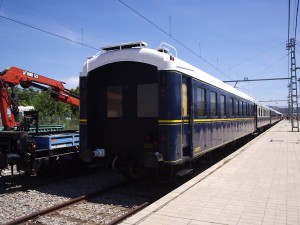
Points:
x=201, y=103
x=116, y=107
x=213, y=107
x=141, y=111
x=184, y=99
x=223, y=105
x=232, y=107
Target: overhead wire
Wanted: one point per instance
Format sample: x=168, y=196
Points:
x=288, y=41
x=289, y=19
x=192, y=51
x=48, y=15
x=172, y=37
x=162, y=30
x=255, y=56
x=294, y=17
x=196, y=54
x=43, y=13
x=272, y=64
x=48, y=32
x=296, y=20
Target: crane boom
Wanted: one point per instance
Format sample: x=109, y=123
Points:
x=14, y=76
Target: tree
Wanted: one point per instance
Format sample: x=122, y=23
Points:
x=50, y=111
x=25, y=96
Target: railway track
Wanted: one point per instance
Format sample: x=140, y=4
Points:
x=82, y=209
x=24, y=201
x=109, y=205
x=84, y=213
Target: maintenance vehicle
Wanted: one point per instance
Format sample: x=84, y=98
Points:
x=25, y=144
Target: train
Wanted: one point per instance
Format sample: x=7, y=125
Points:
x=145, y=109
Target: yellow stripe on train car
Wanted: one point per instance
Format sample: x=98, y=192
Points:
x=82, y=120
x=179, y=122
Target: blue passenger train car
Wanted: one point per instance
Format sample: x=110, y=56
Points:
x=145, y=108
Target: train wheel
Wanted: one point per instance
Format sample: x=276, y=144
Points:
x=134, y=170
x=164, y=174
x=114, y=164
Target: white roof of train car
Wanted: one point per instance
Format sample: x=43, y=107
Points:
x=159, y=59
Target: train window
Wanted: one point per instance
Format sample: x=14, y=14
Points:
x=184, y=100
x=114, y=99
x=237, y=108
x=241, y=108
x=231, y=108
x=201, y=102
x=213, y=103
x=223, y=105
x=249, y=110
x=147, y=100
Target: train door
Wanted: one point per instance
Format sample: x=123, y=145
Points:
x=200, y=129
x=187, y=116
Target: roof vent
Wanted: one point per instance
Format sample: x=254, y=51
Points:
x=166, y=50
x=163, y=49
x=139, y=44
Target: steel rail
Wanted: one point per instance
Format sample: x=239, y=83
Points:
x=62, y=205
x=129, y=213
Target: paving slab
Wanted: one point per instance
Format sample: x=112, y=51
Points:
x=257, y=184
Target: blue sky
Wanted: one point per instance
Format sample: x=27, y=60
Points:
x=235, y=38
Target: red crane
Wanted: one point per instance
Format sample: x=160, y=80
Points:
x=14, y=76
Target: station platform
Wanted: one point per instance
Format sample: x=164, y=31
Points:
x=257, y=184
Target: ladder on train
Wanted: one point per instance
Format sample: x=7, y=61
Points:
x=293, y=95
